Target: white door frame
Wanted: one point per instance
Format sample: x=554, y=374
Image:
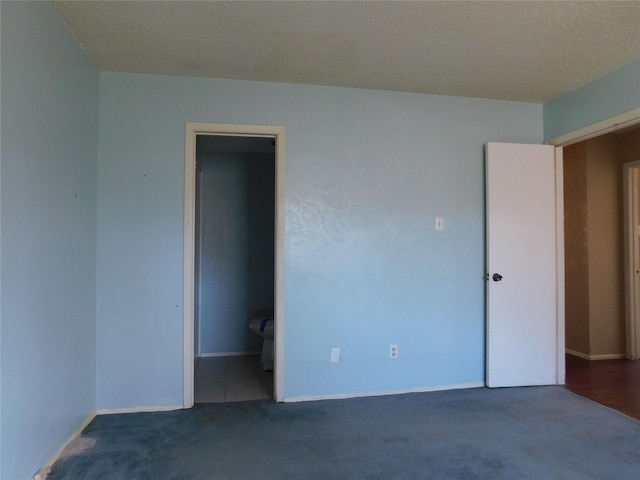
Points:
x=192, y=130
x=618, y=122
x=561, y=375
x=632, y=259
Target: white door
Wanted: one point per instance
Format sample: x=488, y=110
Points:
x=521, y=265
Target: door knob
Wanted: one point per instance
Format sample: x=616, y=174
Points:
x=497, y=277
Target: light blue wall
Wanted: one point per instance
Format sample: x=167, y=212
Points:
x=236, y=248
x=48, y=222
x=366, y=173
x=0, y=242
x=615, y=93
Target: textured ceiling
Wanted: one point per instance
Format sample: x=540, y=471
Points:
x=524, y=50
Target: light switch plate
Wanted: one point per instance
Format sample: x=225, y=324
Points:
x=335, y=355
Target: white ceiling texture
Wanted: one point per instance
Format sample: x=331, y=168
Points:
x=531, y=51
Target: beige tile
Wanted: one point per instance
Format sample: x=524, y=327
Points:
x=241, y=392
x=231, y=379
x=244, y=365
x=266, y=380
x=209, y=380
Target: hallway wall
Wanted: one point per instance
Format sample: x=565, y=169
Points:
x=576, y=248
x=594, y=244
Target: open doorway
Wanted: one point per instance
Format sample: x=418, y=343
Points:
x=253, y=285
x=631, y=199
x=595, y=257
x=599, y=233
x=234, y=268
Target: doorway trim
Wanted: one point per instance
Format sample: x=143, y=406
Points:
x=631, y=258
x=193, y=129
x=561, y=372
x=608, y=125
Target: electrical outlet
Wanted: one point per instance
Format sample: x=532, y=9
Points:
x=393, y=351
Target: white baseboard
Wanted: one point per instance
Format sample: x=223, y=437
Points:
x=229, y=354
x=112, y=411
x=340, y=396
x=605, y=356
x=44, y=471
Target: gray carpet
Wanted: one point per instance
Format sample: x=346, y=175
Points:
x=516, y=433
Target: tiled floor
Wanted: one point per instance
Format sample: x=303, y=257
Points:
x=231, y=379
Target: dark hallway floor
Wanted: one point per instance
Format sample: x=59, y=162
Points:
x=614, y=383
